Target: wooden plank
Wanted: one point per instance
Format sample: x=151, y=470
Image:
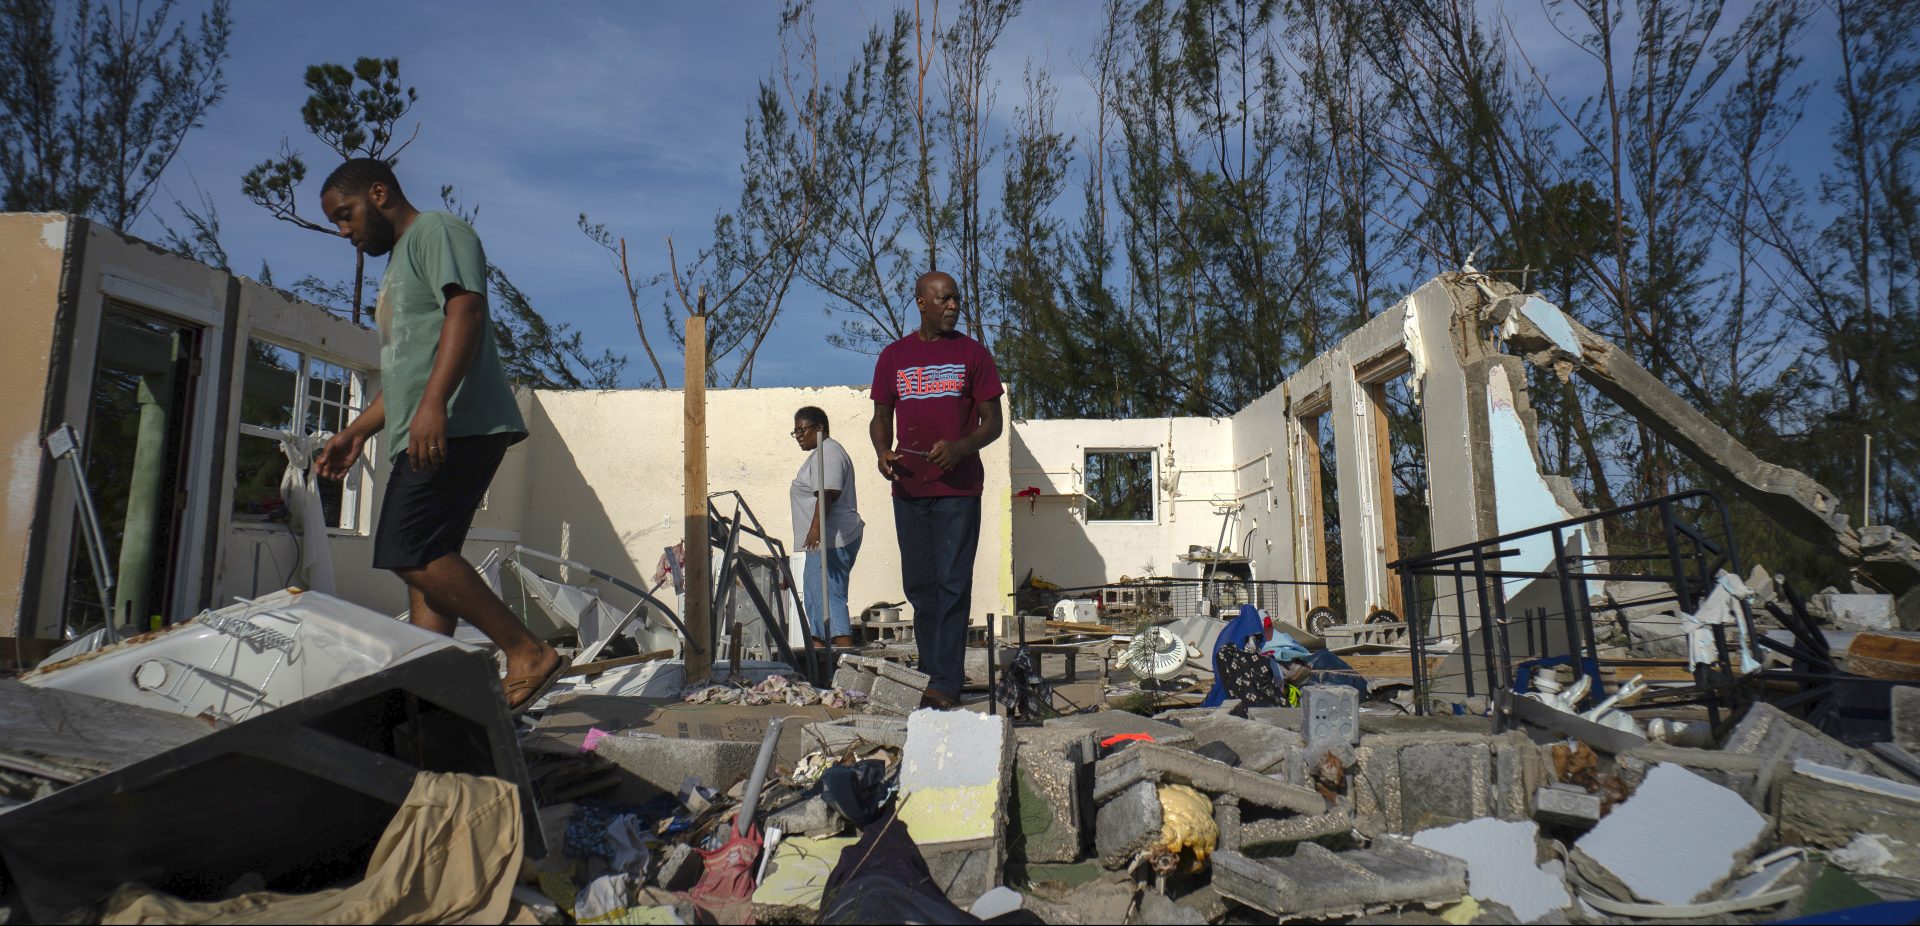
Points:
x=1389, y=665
x=1885, y=654
x=602, y=665
x=699, y=564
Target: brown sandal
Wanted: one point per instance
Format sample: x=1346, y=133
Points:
x=540, y=685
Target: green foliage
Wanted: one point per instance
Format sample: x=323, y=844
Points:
x=93, y=112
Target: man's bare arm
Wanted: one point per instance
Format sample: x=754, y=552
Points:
x=880, y=431
x=460, y=336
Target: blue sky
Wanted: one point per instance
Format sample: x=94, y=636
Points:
x=631, y=112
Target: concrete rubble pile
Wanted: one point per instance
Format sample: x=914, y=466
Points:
x=764, y=799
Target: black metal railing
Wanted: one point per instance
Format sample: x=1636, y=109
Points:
x=1522, y=601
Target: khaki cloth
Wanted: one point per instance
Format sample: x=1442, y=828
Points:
x=449, y=856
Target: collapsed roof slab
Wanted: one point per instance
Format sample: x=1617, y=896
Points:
x=1546, y=336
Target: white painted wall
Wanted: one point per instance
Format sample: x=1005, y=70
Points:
x=1194, y=467
x=603, y=472
x=1263, y=482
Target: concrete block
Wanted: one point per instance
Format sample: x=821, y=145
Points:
x=1157, y=763
x=1261, y=747
x=891, y=697
x=665, y=762
x=1520, y=768
x=1565, y=805
x=1675, y=840
x=1443, y=783
x=1127, y=824
x=1291, y=718
x=855, y=731
x=1053, y=801
x=1332, y=714
x=1745, y=775
x=1317, y=882
x=1269, y=831
x=680, y=868
x=1830, y=808
x=1502, y=859
x=811, y=817
x=911, y=678
x=954, y=783
x=1777, y=739
x=1226, y=819
x=796, y=879
x=1111, y=723
x=849, y=678
x=1156, y=907
x=1867, y=612
x=1906, y=717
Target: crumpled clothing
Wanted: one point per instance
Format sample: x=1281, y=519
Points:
x=587, y=829
x=774, y=689
x=449, y=856
x=606, y=895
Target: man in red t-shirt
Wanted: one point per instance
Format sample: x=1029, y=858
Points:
x=941, y=391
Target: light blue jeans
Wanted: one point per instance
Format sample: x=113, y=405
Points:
x=839, y=568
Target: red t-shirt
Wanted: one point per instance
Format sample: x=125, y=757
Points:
x=936, y=389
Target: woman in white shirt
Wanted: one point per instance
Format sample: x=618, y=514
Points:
x=838, y=539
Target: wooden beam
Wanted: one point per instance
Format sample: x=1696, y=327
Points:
x=1315, y=502
x=602, y=665
x=699, y=564
x=1383, y=492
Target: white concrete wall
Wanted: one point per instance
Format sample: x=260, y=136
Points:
x=1262, y=480
x=603, y=472
x=1194, y=463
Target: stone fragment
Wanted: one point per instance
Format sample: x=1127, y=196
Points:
x=1317, y=882
x=1871, y=612
x=1906, y=717
x=1565, y=805
x=1332, y=713
x=1127, y=824
x=1831, y=807
x=1260, y=747
x=1675, y=839
x=954, y=781
x=1155, y=907
x=1777, y=739
x=1502, y=859
x=1157, y=763
x=911, y=678
x=1520, y=768
x=665, y=762
x=1053, y=801
x=855, y=731
x=1112, y=723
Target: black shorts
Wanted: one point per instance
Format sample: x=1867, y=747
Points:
x=425, y=514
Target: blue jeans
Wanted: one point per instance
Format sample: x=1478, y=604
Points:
x=938, y=537
x=839, y=567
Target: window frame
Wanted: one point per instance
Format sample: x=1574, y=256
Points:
x=1153, y=484
x=353, y=497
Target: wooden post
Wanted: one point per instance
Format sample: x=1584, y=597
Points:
x=699, y=565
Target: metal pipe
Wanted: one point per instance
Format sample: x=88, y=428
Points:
x=1866, y=483
x=743, y=821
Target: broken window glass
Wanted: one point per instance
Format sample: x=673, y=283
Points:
x=283, y=389
x=1119, y=485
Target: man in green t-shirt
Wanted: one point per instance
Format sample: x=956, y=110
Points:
x=445, y=413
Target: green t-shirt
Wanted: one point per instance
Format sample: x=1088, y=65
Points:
x=437, y=251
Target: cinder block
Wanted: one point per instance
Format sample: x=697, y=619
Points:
x=1317, y=882
x=1261, y=747
x=1444, y=783
x=1563, y=805
x=1520, y=767
x=1332, y=713
x=1127, y=824
x=911, y=678
x=891, y=697
x=1053, y=802
x=1157, y=763
x=1777, y=739
x=849, y=678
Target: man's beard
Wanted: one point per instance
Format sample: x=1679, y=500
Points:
x=380, y=235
